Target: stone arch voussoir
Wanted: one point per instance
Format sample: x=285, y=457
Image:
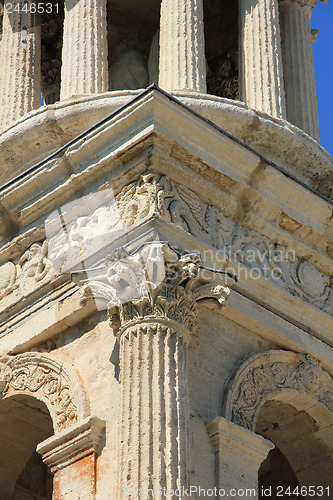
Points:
x=48, y=379
x=264, y=375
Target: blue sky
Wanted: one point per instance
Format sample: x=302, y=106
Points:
x=322, y=19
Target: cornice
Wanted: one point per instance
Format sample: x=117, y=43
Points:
x=160, y=131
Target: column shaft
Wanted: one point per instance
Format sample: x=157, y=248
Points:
x=261, y=68
x=182, y=46
x=154, y=410
x=298, y=65
x=84, y=56
x=20, y=66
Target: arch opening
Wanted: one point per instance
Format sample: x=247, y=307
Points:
x=301, y=430
x=24, y=422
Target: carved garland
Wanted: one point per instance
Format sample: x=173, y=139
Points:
x=264, y=375
x=43, y=377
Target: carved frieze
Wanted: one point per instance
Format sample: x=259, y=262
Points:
x=264, y=375
x=37, y=375
x=155, y=194
x=21, y=278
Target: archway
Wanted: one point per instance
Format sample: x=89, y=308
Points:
x=24, y=422
x=40, y=395
x=46, y=378
x=302, y=433
x=287, y=398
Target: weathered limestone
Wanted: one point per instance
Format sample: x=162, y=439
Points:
x=182, y=46
x=239, y=454
x=264, y=375
x=154, y=170
x=84, y=55
x=51, y=381
x=154, y=407
x=20, y=66
x=301, y=99
x=261, y=68
x=71, y=456
x=154, y=401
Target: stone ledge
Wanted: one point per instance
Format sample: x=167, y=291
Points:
x=235, y=441
x=46, y=323
x=71, y=445
x=43, y=131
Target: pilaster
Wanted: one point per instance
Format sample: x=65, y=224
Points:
x=182, y=46
x=84, y=55
x=71, y=456
x=239, y=454
x=301, y=98
x=261, y=68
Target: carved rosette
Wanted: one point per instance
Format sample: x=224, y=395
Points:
x=153, y=329
x=43, y=377
x=264, y=375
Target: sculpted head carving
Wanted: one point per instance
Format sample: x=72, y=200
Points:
x=154, y=283
x=308, y=372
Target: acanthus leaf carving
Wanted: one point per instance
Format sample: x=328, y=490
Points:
x=156, y=283
x=184, y=208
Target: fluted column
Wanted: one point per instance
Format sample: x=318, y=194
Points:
x=154, y=409
x=20, y=57
x=182, y=46
x=152, y=299
x=261, y=68
x=301, y=98
x=239, y=454
x=84, y=56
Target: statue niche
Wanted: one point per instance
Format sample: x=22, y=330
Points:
x=129, y=71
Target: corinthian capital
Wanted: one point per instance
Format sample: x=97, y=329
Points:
x=155, y=283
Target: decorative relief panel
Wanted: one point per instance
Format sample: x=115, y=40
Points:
x=46, y=379
x=155, y=194
x=264, y=375
x=32, y=270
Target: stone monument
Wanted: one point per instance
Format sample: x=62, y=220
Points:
x=166, y=258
